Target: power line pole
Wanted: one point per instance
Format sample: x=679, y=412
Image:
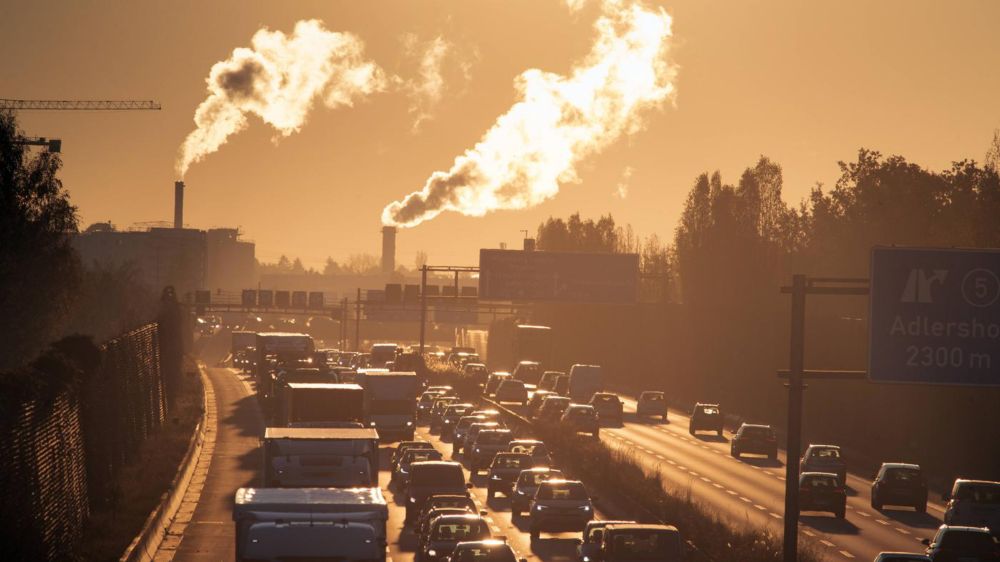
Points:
x=357, y=322
x=423, y=306
x=794, y=445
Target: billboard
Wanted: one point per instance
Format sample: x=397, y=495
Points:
x=558, y=276
x=935, y=316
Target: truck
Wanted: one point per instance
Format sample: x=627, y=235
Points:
x=390, y=402
x=584, y=381
x=320, y=457
x=510, y=343
x=274, y=350
x=319, y=404
x=381, y=354
x=344, y=524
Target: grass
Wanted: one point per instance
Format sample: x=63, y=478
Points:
x=110, y=530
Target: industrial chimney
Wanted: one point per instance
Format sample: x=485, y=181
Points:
x=178, y=204
x=388, y=249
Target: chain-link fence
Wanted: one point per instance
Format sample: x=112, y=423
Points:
x=69, y=423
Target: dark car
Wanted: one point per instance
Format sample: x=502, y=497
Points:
x=527, y=484
x=476, y=371
x=535, y=402
x=446, y=531
x=824, y=458
x=462, y=429
x=754, y=439
x=486, y=444
x=493, y=383
x=538, y=450
x=581, y=418
x=484, y=551
x=609, y=407
x=431, y=478
x=441, y=502
x=962, y=544
x=548, y=380
x=706, y=417
x=504, y=470
x=552, y=408
x=632, y=542
x=975, y=503
x=651, y=403
x=560, y=505
x=470, y=436
x=528, y=371
x=901, y=557
x=589, y=549
x=900, y=484
x=561, y=386
x=822, y=491
x=425, y=402
x=441, y=404
x=401, y=475
x=450, y=418
x=404, y=446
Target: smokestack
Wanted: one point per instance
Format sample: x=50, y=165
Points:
x=388, y=249
x=178, y=204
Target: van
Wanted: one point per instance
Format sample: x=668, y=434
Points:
x=584, y=381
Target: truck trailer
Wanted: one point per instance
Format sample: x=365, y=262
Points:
x=316, y=404
x=320, y=457
x=390, y=402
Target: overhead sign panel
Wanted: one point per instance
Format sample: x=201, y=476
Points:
x=558, y=276
x=935, y=316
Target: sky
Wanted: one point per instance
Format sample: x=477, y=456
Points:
x=805, y=83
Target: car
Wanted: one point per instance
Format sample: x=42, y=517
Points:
x=552, y=408
x=527, y=484
x=974, y=502
x=404, y=446
x=493, y=383
x=535, y=402
x=401, y=473
x=538, y=450
x=609, y=407
x=528, y=371
x=706, y=417
x=476, y=372
x=437, y=411
x=462, y=428
x=450, y=417
x=485, y=445
x=461, y=503
x=443, y=388
x=589, y=549
x=470, y=437
x=754, y=439
x=956, y=543
x=824, y=458
x=901, y=557
x=446, y=531
x=429, y=478
x=504, y=470
x=899, y=484
x=491, y=550
x=561, y=387
x=632, y=542
x=651, y=403
x=560, y=505
x=822, y=491
x=548, y=380
x=512, y=390
x=581, y=418
x=426, y=401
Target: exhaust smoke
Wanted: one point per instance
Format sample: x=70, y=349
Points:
x=278, y=79
x=559, y=120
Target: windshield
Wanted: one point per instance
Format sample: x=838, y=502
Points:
x=605, y=399
x=903, y=475
x=653, y=397
x=968, y=542
x=419, y=455
x=978, y=493
x=822, y=482
x=645, y=545
x=511, y=461
x=443, y=476
x=710, y=411
x=455, y=411
x=526, y=448
x=580, y=412
x=501, y=553
x=754, y=431
x=462, y=530
x=466, y=422
x=826, y=453
x=493, y=438
x=457, y=503
x=534, y=479
x=563, y=491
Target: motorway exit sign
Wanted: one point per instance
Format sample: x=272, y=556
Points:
x=935, y=316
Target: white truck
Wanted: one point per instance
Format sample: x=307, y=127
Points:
x=344, y=524
x=584, y=381
x=390, y=402
x=320, y=457
x=314, y=404
x=383, y=353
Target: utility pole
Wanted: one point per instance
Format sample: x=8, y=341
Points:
x=423, y=306
x=343, y=324
x=793, y=447
x=357, y=322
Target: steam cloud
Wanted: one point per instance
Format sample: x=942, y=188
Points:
x=558, y=121
x=428, y=87
x=278, y=79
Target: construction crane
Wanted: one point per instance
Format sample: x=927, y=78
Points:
x=86, y=105
x=55, y=145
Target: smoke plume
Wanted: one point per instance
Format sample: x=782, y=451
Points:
x=427, y=88
x=558, y=121
x=279, y=79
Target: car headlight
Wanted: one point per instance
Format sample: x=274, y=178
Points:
x=477, y=449
x=520, y=493
x=496, y=477
x=413, y=500
x=585, y=508
x=539, y=507
x=372, y=424
x=409, y=424
x=586, y=559
x=432, y=553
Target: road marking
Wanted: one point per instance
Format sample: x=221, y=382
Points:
x=775, y=515
x=846, y=554
x=672, y=461
x=709, y=480
x=882, y=521
x=731, y=492
x=746, y=499
x=661, y=457
x=717, y=485
x=904, y=531
x=693, y=473
x=682, y=467
x=827, y=543
x=808, y=532
x=863, y=514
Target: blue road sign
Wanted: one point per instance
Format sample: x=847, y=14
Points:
x=935, y=316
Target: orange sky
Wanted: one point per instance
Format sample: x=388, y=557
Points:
x=805, y=83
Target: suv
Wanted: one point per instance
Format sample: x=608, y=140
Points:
x=430, y=478
x=535, y=402
x=582, y=418
x=560, y=505
x=527, y=484
x=450, y=418
x=404, y=446
x=425, y=402
x=504, y=470
x=476, y=372
x=974, y=502
x=438, y=505
x=609, y=407
x=487, y=443
x=822, y=491
x=824, y=458
x=512, y=390
x=470, y=437
x=589, y=549
x=552, y=408
x=441, y=404
x=632, y=542
x=537, y=449
x=401, y=474
x=493, y=383
x=561, y=386
x=484, y=551
x=548, y=380
x=446, y=531
x=900, y=557
x=899, y=484
x=651, y=403
x=755, y=439
x=528, y=371
x=706, y=417
x=462, y=429
x=955, y=543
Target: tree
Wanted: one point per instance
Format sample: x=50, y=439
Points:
x=331, y=268
x=992, y=161
x=39, y=270
x=420, y=260
x=362, y=264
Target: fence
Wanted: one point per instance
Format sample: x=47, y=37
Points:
x=69, y=423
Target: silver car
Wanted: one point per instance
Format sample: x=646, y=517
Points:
x=560, y=505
